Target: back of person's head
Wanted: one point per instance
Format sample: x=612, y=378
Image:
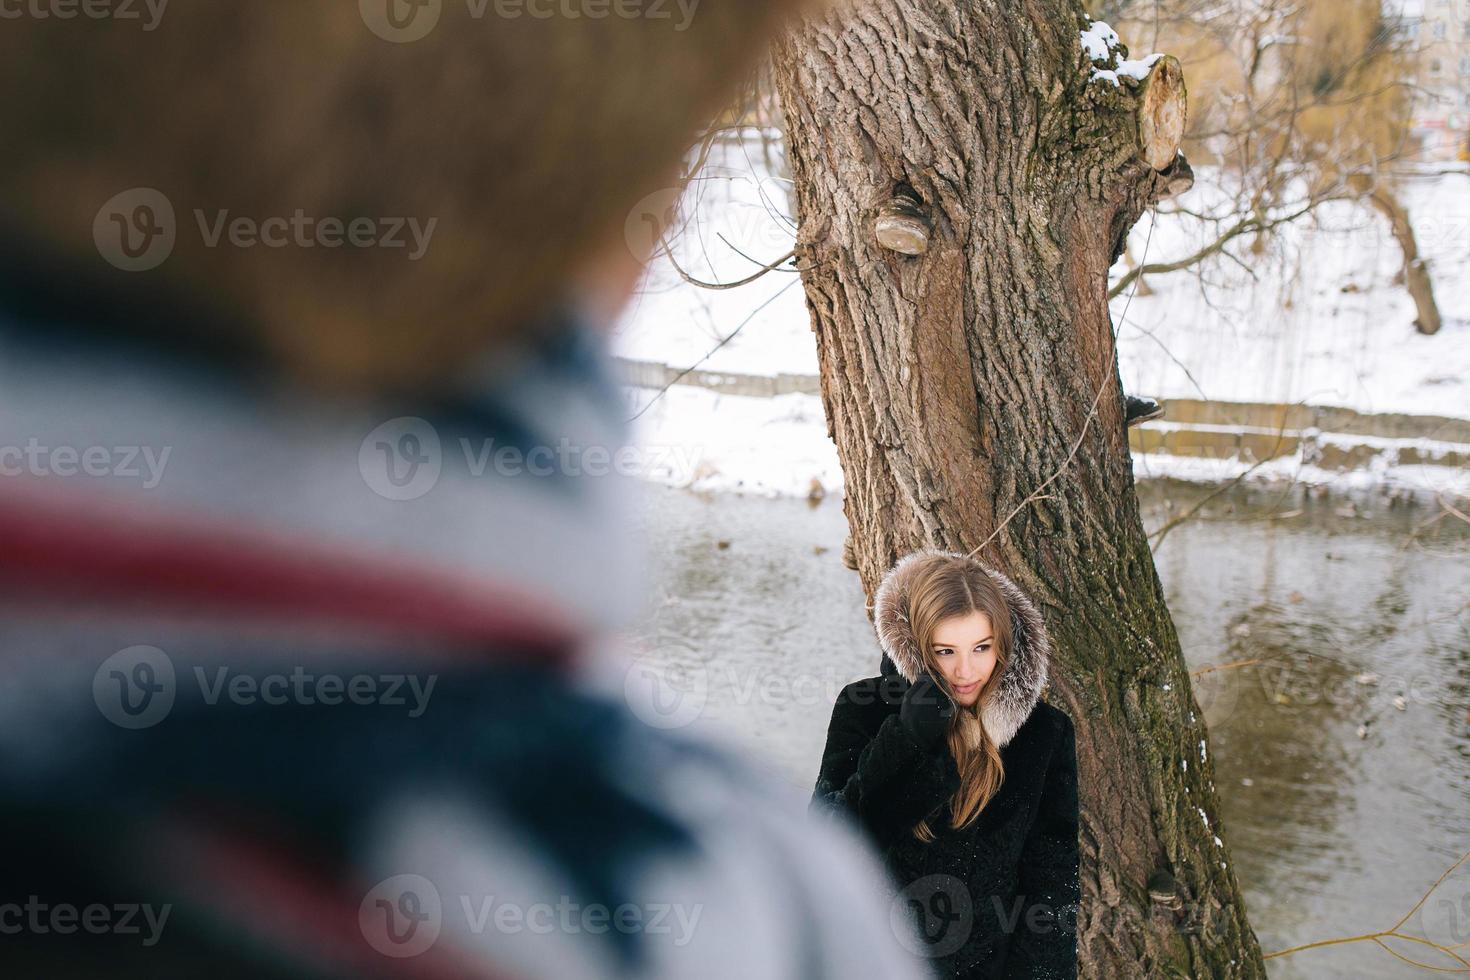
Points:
x=365, y=194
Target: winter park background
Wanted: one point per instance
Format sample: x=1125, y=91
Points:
x=1322, y=437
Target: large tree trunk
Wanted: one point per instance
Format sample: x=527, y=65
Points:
x=961, y=359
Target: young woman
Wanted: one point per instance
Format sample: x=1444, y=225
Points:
x=964, y=779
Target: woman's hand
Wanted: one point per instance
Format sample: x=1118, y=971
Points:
x=926, y=710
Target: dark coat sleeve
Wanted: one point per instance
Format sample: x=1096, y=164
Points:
x=885, y=780
x=1045, y=946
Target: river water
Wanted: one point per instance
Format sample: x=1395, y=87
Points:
x=1342, y=759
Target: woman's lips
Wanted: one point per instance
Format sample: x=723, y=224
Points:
x=966, y=689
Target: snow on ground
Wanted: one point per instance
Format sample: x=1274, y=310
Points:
x=1315, y=317
x=739, y=221
x=756, y=445
x=1448, y=481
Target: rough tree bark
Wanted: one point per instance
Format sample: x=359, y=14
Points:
x=959, y=368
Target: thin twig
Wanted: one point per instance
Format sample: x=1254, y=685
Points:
x=1241, y=227
x=1196, y=675
x=1157, y=537
x=669, y=254
x=731, y=336
x=1392, y=932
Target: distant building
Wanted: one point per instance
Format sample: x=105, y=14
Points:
x=1440, y=33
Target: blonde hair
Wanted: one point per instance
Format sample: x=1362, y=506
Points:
x=949, y=586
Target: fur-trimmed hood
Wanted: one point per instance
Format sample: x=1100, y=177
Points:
x=1025, y=675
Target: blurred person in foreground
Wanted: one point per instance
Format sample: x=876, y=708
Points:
x=312, y=529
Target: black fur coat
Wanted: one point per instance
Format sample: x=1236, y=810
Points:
x=998, y=898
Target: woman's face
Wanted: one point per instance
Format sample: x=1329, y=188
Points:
x=965, y=651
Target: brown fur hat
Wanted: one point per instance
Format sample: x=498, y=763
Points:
x=1026, y=672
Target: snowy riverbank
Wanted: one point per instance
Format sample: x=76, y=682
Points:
x=1314, y=318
